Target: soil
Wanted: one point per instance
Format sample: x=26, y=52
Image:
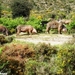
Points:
x=53, y=39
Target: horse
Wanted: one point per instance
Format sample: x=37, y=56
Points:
x=55, y=25
x=3, y=30
x=25, y=28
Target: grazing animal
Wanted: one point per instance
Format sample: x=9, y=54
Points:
x=34, y=31
x=55, y=25
x=65, y=21
x=25, y=28
x=4, y=30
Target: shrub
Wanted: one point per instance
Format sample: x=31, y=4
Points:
x=40, y=59
x=16, y=55
x=71, y=27
x=35, y=22
x=59, y=61
x=2, y=39
x=65, y=59
x=20, y=8
x=41, y=64
x=11, y=24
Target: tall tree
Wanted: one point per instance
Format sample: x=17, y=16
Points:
x=20, y=8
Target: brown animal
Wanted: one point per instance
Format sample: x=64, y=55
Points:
x=3, y=30
x=34, y=31
x=26, y=28
x=65, y=21
x=55, y=25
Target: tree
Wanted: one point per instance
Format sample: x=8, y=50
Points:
x=20, y=8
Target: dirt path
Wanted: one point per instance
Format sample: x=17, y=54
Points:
x=53, y=39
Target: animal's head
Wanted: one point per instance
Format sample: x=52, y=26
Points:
x=34, y=31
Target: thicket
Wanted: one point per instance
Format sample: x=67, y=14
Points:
x=4, y=39
x=12, y=60
x=71, y=27
x=11, y=24
x=20, y=8
x=40, y=59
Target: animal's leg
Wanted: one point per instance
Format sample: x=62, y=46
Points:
x=47, y=30
x=6, y=32
x=30, y=32
x=59, y=31
x=18, y=32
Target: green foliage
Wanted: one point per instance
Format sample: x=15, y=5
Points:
x=35, y=22
x=42, y=59
x=1, y=49
x=20, y=8
x=41, y=64
x=71, y=26
x=14, y=56
x=64, y=62
x=2, y=39
x=59, y=61
x=45, y=49
x=34, y=67
x=3, y=65
x=12, y=23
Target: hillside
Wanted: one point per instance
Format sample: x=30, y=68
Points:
x=53, y=7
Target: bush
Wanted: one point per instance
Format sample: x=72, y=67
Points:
x=16, y=55
x=35, y=22
x=71, y=27
x=4, y=39
x=59, y=61
x=11, y=24
x=20, y=8
x=65, y=60
x=41, y=64
x=40, y=59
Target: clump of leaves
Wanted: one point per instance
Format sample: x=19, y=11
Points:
x=16, y=55
x=2, y=39
x=45, y=51
x=41, y=65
